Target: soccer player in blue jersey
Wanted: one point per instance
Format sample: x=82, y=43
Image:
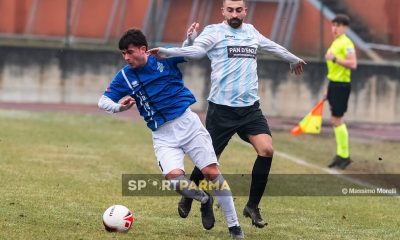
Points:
x=156, y=87
x=233, y=102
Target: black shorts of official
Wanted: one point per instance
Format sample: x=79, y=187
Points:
x=222, y=122
x=338, y=97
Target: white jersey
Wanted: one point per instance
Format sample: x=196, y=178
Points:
x=233, y=55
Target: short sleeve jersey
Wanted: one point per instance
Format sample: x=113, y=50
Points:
x=340, y=47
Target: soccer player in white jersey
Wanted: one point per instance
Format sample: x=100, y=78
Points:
x=156, y=87
x=233, y=102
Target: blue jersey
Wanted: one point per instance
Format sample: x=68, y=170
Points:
x=157, y=88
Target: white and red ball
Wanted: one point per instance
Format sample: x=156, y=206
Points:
x=117, y=218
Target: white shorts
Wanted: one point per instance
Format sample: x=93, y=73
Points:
x=183, y=135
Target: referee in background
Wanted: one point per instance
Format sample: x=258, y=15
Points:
x=340, y=59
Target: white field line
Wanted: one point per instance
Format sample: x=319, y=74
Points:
x=334, y=172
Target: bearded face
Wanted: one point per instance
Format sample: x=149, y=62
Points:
x=234, y=13
x=235, y=22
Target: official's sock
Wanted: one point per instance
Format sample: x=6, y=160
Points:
x=342, y=141
x=259, y=179
x=224, y=195
x=196, y=176
x=187, y=188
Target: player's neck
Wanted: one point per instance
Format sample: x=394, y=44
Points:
x=339, y=35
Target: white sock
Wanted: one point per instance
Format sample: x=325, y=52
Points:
x=225, y=200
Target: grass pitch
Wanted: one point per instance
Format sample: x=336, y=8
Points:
x=59, y=172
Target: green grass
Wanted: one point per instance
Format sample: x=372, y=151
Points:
x=59, y=172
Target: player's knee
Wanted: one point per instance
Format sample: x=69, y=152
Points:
x=333, y=122
x=211, y=171
x=336, y=121
x=266, y=151
x=174, y=174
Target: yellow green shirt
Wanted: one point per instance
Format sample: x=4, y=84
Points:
x=340, y=47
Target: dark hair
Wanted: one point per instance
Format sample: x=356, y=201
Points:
x=132, y=36
x=342, y=19
x=223, y=1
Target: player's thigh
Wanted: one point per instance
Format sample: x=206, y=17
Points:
x=200, y=149
x=254, y=124
x=169, y=158
x=338, y=97
x=262, y=143
x=256, y=132
x=220, y=126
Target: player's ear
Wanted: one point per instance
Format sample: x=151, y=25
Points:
x=143, y=49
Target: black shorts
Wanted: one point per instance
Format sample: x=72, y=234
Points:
x=222, y=122
x=338, y=97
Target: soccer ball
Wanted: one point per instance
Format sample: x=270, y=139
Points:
x=117, y=218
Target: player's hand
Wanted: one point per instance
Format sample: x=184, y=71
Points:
x=325, y=96
x=297, y=68
x=127, y=103
x=155, y=52
x=329, y=56
x=192, y=31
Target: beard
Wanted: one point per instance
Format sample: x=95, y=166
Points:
x=235, y=22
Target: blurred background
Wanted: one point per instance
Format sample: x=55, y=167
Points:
x=65, y=51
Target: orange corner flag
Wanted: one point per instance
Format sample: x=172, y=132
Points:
x=312, y=122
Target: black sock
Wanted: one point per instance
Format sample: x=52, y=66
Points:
x=259, y=179
x=196, y=176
